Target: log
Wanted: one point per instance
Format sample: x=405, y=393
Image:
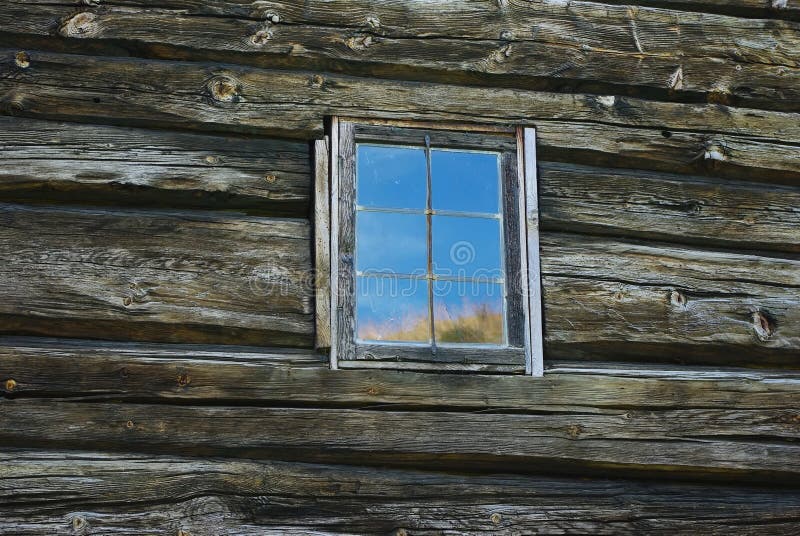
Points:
x=652, y=301
x=660, y=206
x=753, y=445
x=292, y=104
x=41, y=368
x=106, y=493
x=548, y=44
x=71, y=162
x=174, y=276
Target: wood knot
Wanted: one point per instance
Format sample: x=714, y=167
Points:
x=675, y=81
x=317, y=81
x=224, y=89
x=714, y=152
x=127, y=301
x=182, y=532
x=129, y=425
x=22, y=59
x=506, y=35
x=184, y=379
x=677, y=298
x=212, y=160
x=720, y=95
x=496, y=518
x=274, y=18
x=261, y=37
x=80, y=25
x=763, y=325
x=270, y=178
x=11, y=384
x=359, y=43
x=373, y=22
x=574, y=430
x=372, y=391
x=79, y=524
x=401, y=532
x=13, y=102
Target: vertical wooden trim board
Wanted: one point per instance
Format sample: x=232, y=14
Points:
x=334, y=234
x=322, y=238
x=534, y=271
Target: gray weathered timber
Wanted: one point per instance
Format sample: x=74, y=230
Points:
x=737, y=215
x=321, y=217
x=756, y=445
x=293, y=104
x=175, y=276
x=106, y=493
x=672, y=51
x=160, y=372
x=52, y=161
x=609, y=298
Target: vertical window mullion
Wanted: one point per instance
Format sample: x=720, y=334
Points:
x=429, y=226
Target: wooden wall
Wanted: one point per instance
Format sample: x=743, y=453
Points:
x=156, y=280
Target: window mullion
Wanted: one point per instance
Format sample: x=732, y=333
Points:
x=429, y=228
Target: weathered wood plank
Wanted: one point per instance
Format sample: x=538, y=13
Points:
x=73, y=368
x=322, y=242
x=742, y=444
x=161, y=276
x=54, y=161
x=670, y=207
x=127, y=494
x=543, y=42
x=720, y=140
x=609, y=298
x=134, y=494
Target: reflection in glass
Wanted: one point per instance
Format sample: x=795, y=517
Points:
x=391, y=177
x=465, y=181
x=466, y=247
x=391, y=242
x=468, y=312
x=392, y=309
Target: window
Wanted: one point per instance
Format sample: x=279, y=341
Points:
x=434, y=249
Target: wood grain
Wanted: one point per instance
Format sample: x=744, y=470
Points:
x=175, y=276
x=43, y=368
x=134, y=494
x=661, y=206
x=741, y=61
x=293, y=104
x=756, y=445
x=322, y=243
x=46, y=161
x=668, y=303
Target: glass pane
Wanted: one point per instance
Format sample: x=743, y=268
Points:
x=391, y=177
x=466, y=247
x=468, y=311
x=392, y=309
x=466, y=181
x=391, y=243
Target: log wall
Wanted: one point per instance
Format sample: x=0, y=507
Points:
x=157, y=270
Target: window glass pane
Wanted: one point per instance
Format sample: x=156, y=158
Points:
x=468, y=312
x=466, y=181
x=391, y=243
x=392, y=309
x=391, y=177
x=466, y=247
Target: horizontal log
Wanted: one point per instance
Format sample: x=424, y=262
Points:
x=608, y=298
x=550, y=43
x=743, y=444
x=74, y=162
x=134, y=494
x=175, y=276
x=293, y=104
x=669, y=207
x=34, y=367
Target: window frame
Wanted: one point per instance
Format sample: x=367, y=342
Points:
x=523, y=350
